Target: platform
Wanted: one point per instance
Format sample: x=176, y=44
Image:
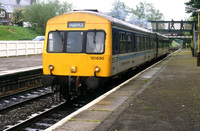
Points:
x=163, y=97
x=20, y=63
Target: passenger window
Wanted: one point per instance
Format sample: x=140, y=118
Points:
x=142, y=43
x=122, y=43
x=138, y=43
x=145, y=43
x=134, y=43
x=129, y=43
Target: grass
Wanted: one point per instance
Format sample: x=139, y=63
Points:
x=146, y=107
x=101, y=110
x=174, y=44
x=16, y=33
x=139, y=101
x=85, y=120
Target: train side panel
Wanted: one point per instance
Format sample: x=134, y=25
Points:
x=163, y=45
x=131, y=49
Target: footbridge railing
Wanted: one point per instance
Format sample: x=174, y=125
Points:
x=173, y=26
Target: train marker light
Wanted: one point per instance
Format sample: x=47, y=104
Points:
x=51, y=67
x=96, y=69
x=73, y=69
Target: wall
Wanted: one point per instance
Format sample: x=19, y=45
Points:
x=17, y=48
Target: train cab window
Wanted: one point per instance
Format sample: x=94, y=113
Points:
x=55, y=42
x=95, y=42
x=74, y=42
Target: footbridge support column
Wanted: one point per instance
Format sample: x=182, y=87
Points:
x=198, y=52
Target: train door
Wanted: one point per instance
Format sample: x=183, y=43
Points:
x=115, y=52
x=157, y=42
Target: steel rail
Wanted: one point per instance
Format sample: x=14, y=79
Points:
x=23, y=102
x=33, y=119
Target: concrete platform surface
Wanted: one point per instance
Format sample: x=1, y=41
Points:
x=164, y=97
x=10, y=64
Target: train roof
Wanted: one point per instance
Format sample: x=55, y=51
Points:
x=161, y=35
x=116, y=22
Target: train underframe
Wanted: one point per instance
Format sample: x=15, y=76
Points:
x=73, y=86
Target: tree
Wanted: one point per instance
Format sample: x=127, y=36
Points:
x=33, y=1
x=38, y=14
x=17, y=16
x=0, y=13
x=0, y=6
x=193, y=4
x=119, y=11
x=146, y=11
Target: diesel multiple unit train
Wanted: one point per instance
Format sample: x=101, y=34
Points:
x=83, y=49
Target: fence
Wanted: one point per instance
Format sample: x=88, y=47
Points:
x=16, y=48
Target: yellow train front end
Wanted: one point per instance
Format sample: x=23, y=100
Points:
x=77, y=51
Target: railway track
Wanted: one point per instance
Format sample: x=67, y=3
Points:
x=23, y=125
x=20, y=106
x=48, y=117
x=10, y=102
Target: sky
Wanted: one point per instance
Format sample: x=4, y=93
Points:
x=171, y=9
